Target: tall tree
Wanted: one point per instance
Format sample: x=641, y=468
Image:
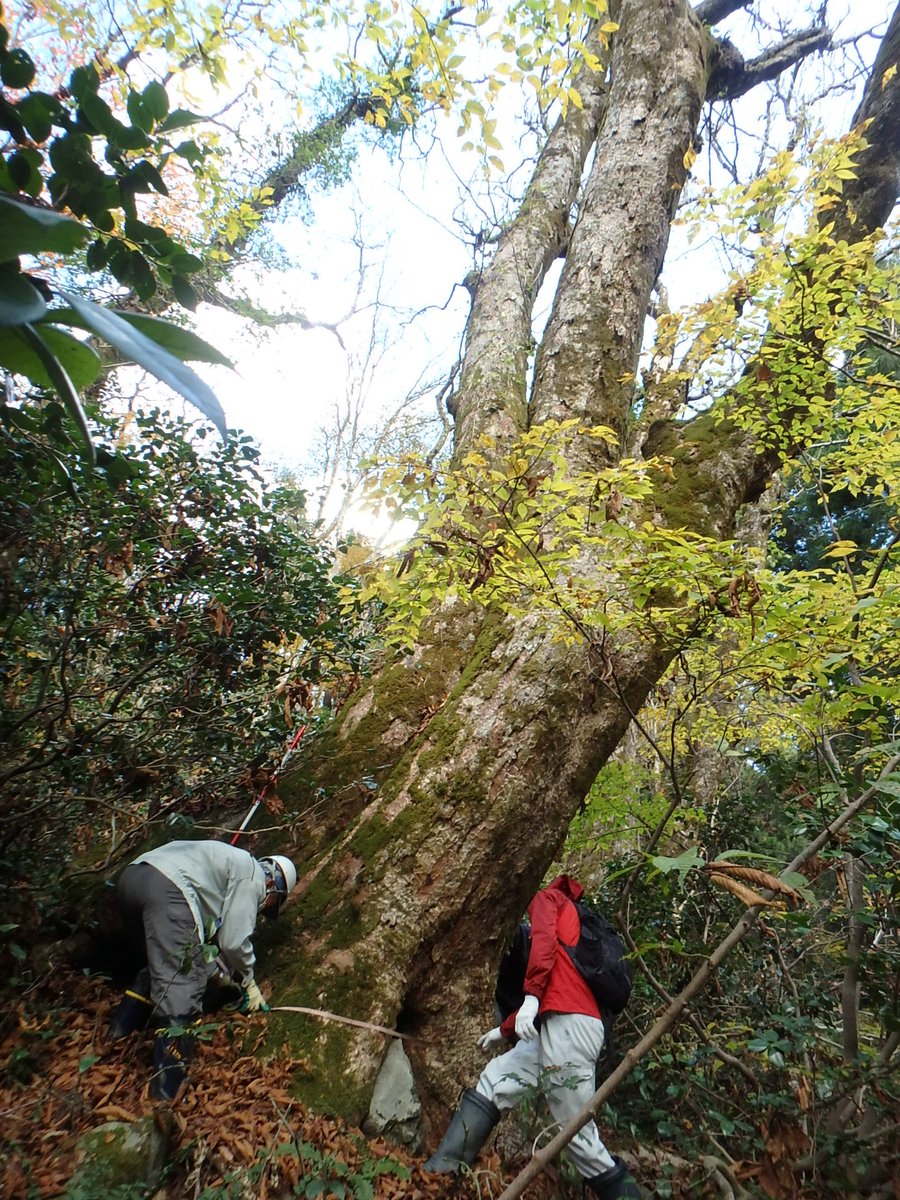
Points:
x=439, y=797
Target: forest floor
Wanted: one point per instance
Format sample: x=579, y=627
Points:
x=237, y=1128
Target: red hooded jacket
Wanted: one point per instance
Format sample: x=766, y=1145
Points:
x=551, y=974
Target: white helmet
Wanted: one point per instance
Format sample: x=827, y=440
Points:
x=283, y=874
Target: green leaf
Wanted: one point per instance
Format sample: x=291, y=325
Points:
x=153, y=358
x=183, y=262
x=682, y=864
x=140, y=231
x=82, y=81
x=37, y=111
x=156, y=101
x=97, y=254
x=20, y=301
x=138, y=115
x=63, y=385
x=27, y=230
x=87, y=1062
x=144, y=281
x=150, y=176
x=179, y=118
x=25, y=170
x=16, y=69
x=184, y=293
x=119, y=263
x=99, y=113
x=81, y=362
x=183, y=343
x=189, y=151
x=9, y=120
x=128, y=138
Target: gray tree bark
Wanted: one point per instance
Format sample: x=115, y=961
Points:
x=428, y=813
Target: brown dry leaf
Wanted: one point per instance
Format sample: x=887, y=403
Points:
x=768, y=1179
x=753, y=875
x=243, y=1147
x=222, y=1119
x=115, y=1113
x=740, y=890
x=785, y=1140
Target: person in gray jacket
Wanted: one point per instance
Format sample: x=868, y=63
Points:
x=195, y=905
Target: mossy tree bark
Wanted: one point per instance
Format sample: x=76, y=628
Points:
x=431, y=809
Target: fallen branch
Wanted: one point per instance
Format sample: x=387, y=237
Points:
x=324, y=1015
x=696, y=985
x=724, y=1178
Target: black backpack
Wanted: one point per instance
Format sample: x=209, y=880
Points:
x=599, y=958
x=510, y=990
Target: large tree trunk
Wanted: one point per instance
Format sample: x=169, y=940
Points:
x=430, y=811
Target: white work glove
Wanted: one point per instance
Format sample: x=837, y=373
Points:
x=525, y=1019
x=489, y=1040
x=253, y=999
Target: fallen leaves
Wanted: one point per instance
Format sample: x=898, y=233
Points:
x=237, y=1116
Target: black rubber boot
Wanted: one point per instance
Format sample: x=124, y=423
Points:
x=467, y=1132
x=617, y=1184
x=171, y=1054
x=135, y=1008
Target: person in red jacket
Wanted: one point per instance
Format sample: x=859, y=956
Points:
x=559, y=1034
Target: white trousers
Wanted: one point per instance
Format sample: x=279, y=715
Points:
x=560, y=1063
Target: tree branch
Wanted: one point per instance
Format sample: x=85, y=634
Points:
x=711, y=12
x=732, y=76
x=868, y=199
x=850, y=982
x=211, y=294
x=492, y=392
x=716, y=455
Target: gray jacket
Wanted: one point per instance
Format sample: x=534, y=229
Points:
x=224, y=888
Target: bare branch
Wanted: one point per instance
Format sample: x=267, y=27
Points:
x=732, y=76
x=711, y=12
x=262, y=316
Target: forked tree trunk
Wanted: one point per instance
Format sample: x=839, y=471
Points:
x=430, y=811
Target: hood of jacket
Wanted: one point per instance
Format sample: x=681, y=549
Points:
x=568, y=886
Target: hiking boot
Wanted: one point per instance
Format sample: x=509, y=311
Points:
x=171, y=1053
x=616, y=1184
x=135, y=1008
x=467, y=1132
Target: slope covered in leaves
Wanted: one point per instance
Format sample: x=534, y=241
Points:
x=238, y=1127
